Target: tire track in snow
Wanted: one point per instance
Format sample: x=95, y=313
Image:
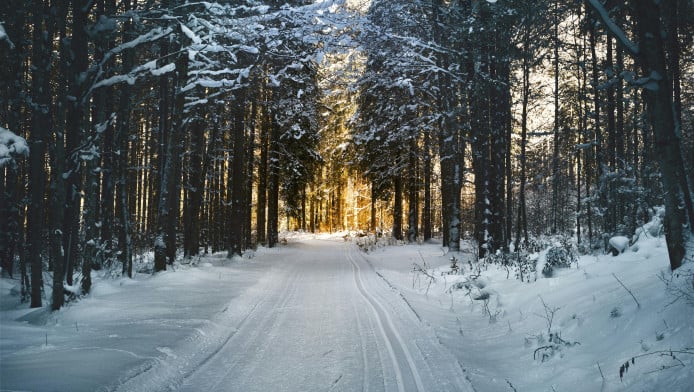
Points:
x=265, y=310
x=433, y=347
x=390, y=334
x=174, y=374
x=364, y=357
x=268, y=328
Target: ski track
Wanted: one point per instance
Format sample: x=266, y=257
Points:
x=249, y=333
x=388, y=332
x=321, y=320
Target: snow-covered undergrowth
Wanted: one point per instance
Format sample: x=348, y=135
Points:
x=574, y=331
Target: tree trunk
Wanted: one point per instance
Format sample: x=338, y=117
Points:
x=199, y=166
x=609, y=192
x=412, y=194
x=121, y=154
x=176, y=140
x=658, y=94
x=101, y=229
x=273, y=186
x=58, y=186
x=248, y=197
x=593, y=163
x=449, y=143
x=92, y=253
x=373, y=208
x=9, y=212
x=75, y=136
x=522, y=220
x=674, y=56
x=12, y=111
x=40, y=125
x=397, y=208
x=238, y=178
x=555, y=140
x=261, y=212
x=500, y=121
x=621, y=199
x=426, y=213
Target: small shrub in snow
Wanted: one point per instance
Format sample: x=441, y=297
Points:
x=680, y=284
x=458, y=286
x=481, y=296
x=487, y=310
x=560, y=255
x=535, y=245
x=422, y=271
x=556, y=345
x=539, y=339
x=367, y=242
x=497, y=258
x=666, y=359
x=454, y=266
x=659, y=335
x=526, y=267
x=520, y=261
x=556, y=342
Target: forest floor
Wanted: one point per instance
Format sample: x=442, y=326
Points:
x=318, y=314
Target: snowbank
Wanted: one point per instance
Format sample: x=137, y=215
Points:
x=571, y=332
x=122, y=327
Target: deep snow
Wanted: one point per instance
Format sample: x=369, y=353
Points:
x=320, y=315
x=597, y=317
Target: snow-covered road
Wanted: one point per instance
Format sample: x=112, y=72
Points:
x=320, y=315
x=320, y=319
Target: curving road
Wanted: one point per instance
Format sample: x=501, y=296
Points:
x=321, y=320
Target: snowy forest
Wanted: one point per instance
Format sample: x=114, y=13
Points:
x=187, y=126
x=180, y=129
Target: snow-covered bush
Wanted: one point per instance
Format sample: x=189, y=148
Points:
x=522, y=263
x=526, y=266
x=652, y=229
x=367, y=242
x=618, y=244
x=535, y=245
x=560, y=255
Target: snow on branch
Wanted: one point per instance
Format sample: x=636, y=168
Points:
x=150, y=36
x=5, y=37
x=612, y=27
x=190, y=34
x=131, y=77
x=11, y=145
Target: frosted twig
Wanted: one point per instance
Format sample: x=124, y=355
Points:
x=600, y=369
x=638, y=305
